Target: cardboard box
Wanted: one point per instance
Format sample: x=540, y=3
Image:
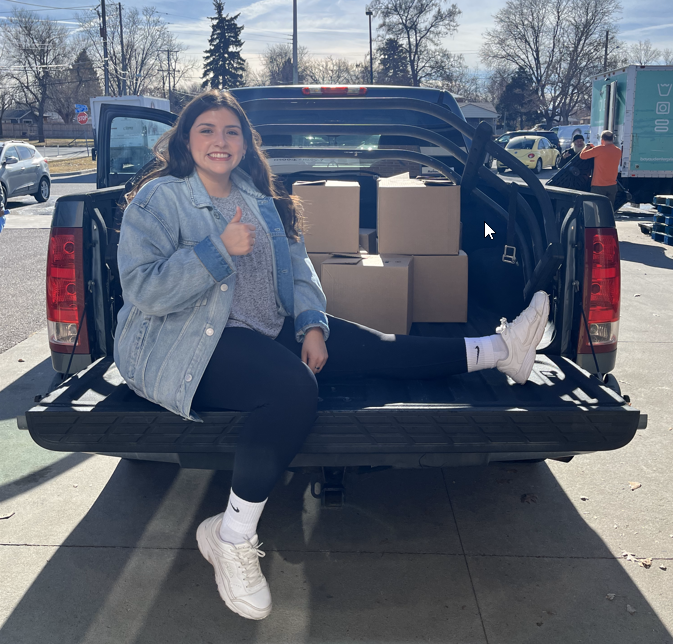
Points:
x=440, y=288
x=374, y=291
x=317, y=259
x=332, y=215
x=417, y=219
x=368, y=240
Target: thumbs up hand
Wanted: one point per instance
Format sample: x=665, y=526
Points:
x=238, y=238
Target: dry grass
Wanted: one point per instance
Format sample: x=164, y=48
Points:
x=71, y=165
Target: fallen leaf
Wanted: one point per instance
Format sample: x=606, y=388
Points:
x=21, y=360
x=637, y=295
x=634, y=485
x=539, y=623
x=610, y=596
x=528, y=498
x=74, y=484
x=584, y=498
x=662, y=567
x=9, y=516
x=630, y=609
x=645, y=563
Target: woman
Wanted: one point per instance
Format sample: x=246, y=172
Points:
x=223, y=310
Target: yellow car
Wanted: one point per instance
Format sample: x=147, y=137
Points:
x=534, y=152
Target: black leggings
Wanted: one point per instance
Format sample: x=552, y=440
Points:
x=253, y=373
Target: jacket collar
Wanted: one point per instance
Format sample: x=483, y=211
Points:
x=240, y=178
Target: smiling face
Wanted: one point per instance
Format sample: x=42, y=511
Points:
x=217, y=146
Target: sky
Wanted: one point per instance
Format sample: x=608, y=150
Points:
x=338, y=27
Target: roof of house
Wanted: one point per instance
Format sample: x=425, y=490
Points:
x=18, y=113
x=478, y=110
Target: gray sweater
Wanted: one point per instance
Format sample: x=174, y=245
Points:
x=254, y=306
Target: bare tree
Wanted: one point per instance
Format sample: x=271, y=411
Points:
x=642, y=53
x=558, y=43
x=77, y=83
x=276, y=67
x=334, y=71
x=36, y=48
x=419, y=26
x=148, y=45
x=667, y=56
x=7, y=95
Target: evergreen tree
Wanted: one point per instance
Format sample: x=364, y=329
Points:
x=519, y=105
x=223, y=64
x=393, y=67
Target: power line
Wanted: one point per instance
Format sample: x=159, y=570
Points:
x=46, y=6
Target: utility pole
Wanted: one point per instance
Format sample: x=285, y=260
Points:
x=295, y=63
x=371, y=55
x=121, y=40
x=103, y=34
x=605, y=58
x=169, y=70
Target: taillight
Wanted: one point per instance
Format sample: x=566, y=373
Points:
x=65, y=291
x=531, y=156
x=601, y=290
x=333, y=90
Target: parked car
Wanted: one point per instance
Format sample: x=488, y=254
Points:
x=536, y=152
x=566, y=133
x=505, y=138
x=23, y=171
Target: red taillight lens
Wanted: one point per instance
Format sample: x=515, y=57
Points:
x=531, y=156
x=65, y=291
x=602, y=284
x=333, y=90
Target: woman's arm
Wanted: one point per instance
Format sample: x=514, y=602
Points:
x=159, y=277
x=309, y=299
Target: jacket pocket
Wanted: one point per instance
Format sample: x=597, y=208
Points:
x=137, y=347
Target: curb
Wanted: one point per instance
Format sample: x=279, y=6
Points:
x=71, y=174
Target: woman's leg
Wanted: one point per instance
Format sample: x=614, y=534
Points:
x=250, y=372
x=253, y=373
x=358, y=350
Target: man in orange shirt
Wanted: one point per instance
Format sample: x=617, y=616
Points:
x=606, y=165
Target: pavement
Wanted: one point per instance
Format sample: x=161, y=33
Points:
x=97, y=550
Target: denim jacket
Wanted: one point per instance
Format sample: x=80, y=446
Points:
x=178, y=284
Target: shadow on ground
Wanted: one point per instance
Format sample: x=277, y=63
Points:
x=646, y=254
x=496, y=554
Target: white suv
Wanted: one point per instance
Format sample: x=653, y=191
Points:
x=23, y=171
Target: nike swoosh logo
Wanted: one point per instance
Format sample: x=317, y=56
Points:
x=234, y=509
x=477, y=362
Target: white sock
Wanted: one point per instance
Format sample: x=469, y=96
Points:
x=240, y=519
x=485, y=352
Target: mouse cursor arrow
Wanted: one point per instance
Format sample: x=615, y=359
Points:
x=488, y=231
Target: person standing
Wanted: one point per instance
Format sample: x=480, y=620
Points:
x=576, y=147
x=606, y=158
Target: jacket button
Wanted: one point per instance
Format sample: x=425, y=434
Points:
x=224, y=287
x=209, y=331
x=188, y=377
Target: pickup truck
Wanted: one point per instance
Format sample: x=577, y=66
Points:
x=561, y=240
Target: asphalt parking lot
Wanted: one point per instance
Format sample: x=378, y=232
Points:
x=98, y=550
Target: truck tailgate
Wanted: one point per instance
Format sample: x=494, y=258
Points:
x=468, y=419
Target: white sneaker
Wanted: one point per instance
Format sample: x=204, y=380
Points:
x=239, y=578
x=522, y=337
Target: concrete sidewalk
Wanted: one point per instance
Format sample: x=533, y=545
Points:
x=103, y=551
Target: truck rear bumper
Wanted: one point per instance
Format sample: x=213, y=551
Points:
x=469, y=419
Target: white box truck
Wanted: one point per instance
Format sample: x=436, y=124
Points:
x=635, y=103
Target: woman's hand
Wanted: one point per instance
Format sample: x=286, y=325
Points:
x=314, y=351
x=238, y=238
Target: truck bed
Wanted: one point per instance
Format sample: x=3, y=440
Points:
x=461, y=420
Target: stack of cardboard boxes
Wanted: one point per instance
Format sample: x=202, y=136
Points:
x=410, y=269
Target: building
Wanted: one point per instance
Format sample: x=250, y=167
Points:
x=475, y=112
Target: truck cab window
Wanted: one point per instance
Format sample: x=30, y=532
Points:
x=131, y=143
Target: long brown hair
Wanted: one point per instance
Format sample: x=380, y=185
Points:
x=174, y=158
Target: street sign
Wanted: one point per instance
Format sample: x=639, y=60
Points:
x=82, y=118
x=81, y=108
